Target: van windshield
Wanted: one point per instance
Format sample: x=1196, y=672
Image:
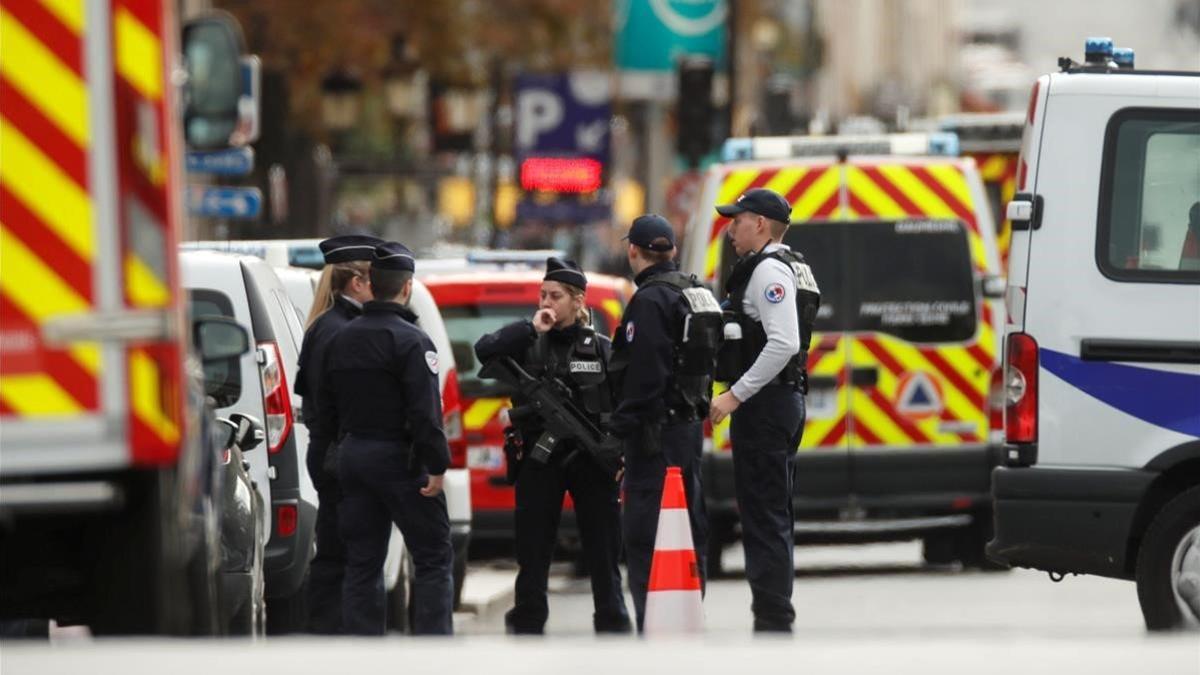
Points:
x=468, y=323
x=911, y=278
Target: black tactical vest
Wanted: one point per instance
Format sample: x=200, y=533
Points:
x=754, y=336
x=579, y=365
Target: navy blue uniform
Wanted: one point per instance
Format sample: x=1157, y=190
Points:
x=540, y=488
x=381, y=393
x=329, y=565
x=658, y=429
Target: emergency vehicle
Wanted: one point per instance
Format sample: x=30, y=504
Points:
x=106, y=518
x=899, y=233
x=1102, y=363
x=993, y=140
x=474, y=304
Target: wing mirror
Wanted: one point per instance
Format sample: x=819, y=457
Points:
x=464, y=356
x=249, y=432
x=212, y=52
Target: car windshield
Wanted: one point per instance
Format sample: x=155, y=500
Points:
x=910, y=278
x=467, y=323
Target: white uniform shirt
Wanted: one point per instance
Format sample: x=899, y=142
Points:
x=770, y=299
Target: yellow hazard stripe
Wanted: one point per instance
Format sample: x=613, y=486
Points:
x=735, y=184
x=60, y=202
x=32, y=284
x=816, y=195
x=139, y=55
x=70, y=12
x=872, y=195
x=933, y=205
x=912, y=360
x=146, y=396
x=612, y=307
x=37, y=395
x=481, y=412
x=143, y=286
x=42, y=78
x=955, y=183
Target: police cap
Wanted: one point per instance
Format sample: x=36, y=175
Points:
x=649, y=232
x=565, y=271
x=394, y=257
x=764, y=202
x=349, y=247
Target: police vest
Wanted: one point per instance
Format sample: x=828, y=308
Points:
x=580, y=366
x=737, y=356
x=689, y=390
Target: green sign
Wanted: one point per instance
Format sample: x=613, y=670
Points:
x=651, y=35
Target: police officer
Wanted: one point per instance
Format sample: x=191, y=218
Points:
x=342, y=289
x=773, y=299
x=381, y=393
x=663, y=389
x=559, y=342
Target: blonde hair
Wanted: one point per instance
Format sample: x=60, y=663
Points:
x=333, y=282
x=585, y=315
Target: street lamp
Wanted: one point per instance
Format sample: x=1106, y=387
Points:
x=404, y=87
x=340, y=91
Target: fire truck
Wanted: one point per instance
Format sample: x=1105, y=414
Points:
x=106, y=510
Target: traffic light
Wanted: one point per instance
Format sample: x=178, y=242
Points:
x=694, y=108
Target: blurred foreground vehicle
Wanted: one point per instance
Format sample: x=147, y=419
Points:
x=108, y=514
x=905, y=352
x=1102, y=364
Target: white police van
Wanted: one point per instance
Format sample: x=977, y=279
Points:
x=1102, y=364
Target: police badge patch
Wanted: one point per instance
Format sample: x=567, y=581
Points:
x=431, y=360
x=629, y=332
x=775, y=293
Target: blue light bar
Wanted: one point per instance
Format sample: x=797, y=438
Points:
x=1097, y=49
x=944, y=143
x=941, y=143
x=1123, y=56
x=737, y=149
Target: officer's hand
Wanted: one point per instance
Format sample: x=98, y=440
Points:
x=434, y=487
x=723, y=406
x=544, y=320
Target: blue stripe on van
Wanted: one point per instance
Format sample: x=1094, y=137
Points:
x=1165, y=399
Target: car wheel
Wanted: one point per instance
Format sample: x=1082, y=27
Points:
x=1168, y=565
x=251, y=618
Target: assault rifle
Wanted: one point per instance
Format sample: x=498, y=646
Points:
x=549, y=400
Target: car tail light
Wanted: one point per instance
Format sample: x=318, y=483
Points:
x=287, y=518
x=1021, y=389
x=276, y=401
x=996, y=400
x=452, y=419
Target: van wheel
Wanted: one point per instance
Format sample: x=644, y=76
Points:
x=972, y=544
x=939, y=549
x=1168, y=565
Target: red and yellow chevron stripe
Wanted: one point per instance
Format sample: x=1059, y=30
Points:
x=1000, y=169
x=47, y=233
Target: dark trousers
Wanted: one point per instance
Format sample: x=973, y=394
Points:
x=379, y=489
x=540, y=491
x=644, y=475
x=765, y=433
x=328, y=567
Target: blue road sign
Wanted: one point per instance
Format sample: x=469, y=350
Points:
x=564, y=115
x=224, y=202
x=230, y=162
x=651, y=35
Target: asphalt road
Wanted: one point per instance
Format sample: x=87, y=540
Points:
x=859, y=609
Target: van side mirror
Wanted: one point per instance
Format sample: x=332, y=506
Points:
x=249, y=433
x=212, y=52
x=464, y=356
x=220, y=343
x=994, y=286
x=224, y=433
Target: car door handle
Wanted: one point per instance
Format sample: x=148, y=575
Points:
x=1141, y=351
x=864, y=377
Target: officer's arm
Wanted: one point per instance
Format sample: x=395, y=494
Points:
x=780, y=322
x=423, y=405
x=511, y=340
x=650, y=354
x=325, y=404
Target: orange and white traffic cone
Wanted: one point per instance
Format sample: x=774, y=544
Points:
x=673, y=601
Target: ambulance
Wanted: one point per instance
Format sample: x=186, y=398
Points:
x=904, y=358
x=1102, y=361
x=107, y=515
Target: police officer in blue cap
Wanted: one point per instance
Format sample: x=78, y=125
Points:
x=559, y=342
x=773, y=300
x=381, y=394
x=341, y=291
x=662, y=371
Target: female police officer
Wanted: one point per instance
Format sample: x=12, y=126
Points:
x=558, y=342
x=343, y=288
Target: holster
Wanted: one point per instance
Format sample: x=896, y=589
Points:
x=514, y=454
